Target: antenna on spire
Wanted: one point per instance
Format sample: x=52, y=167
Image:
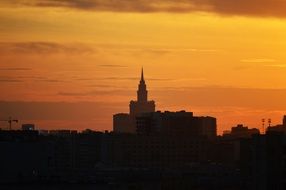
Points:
x=142, y=75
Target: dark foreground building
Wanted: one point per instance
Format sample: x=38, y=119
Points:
x=241, y=131
x=279, y=128
x=153, y=152
x=176, y=124
x=171, y=150
x=128, y=161
x=269, y=161
x=108, y=159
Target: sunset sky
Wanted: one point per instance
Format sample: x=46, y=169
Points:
x=74, y=63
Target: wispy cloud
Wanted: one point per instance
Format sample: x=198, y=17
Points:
x=10, y=80
x=160, y=79
x=101, y=86
x=118, y=92
x=118, y=78
x=88, y=48
x=4, y=79
x=15, y=69
x=31, y=78
x=212, y=96
x=175, y=50
x=222, y=96
x=260, y=60
x=112, y=65
x=273, y=8
x=49, y=80
x=43, y=48
x=133, y=78
x=276, y=65
x=190, y=79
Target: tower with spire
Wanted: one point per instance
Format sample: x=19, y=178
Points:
x=142, y=105
x=126, y=123
x=142, y=93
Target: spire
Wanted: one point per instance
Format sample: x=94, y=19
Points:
x=142, y=75
x=142, y=91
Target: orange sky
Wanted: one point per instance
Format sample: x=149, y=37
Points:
x=219, y=58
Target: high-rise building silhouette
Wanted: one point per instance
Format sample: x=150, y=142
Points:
x=126, y=123
x=142, y=105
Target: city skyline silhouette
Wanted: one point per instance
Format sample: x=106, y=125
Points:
x=143, y=94
x=47, y=110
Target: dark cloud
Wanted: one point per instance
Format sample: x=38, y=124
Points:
x=50, y=80
x=10, y=80
x=30, y=79
x=6, y=79
x=43, y=48
x=275, y=8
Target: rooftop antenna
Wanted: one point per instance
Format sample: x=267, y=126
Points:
x=263, y=126
x=269, y=122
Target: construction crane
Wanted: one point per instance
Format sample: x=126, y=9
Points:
x=10, y=121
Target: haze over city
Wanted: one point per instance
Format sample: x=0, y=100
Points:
x=73, y=64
